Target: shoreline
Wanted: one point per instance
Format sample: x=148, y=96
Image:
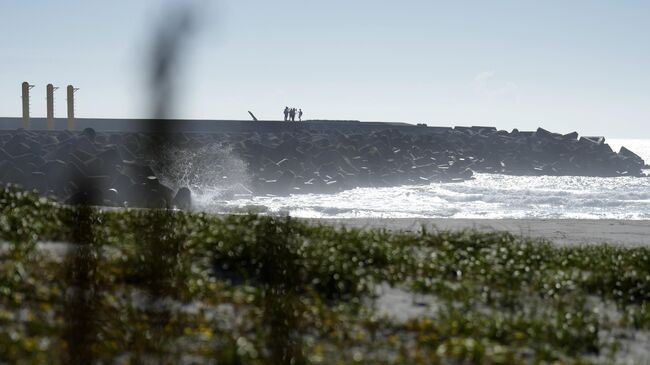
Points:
x=633, y=233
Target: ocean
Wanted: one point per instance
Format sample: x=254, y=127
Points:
x=489, y=196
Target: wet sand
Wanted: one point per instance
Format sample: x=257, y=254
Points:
x=561, y=231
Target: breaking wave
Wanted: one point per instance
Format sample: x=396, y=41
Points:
x=212, y=172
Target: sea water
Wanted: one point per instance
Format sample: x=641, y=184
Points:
x=486, y=196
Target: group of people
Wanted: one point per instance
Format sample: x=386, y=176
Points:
x=290, y=114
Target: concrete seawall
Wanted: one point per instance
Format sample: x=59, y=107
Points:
x=216, y=126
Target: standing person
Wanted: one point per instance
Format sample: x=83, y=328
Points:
x=300, y=114
x=286, y=113
x=292, y=114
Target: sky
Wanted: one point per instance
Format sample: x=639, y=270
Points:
x=580, y=65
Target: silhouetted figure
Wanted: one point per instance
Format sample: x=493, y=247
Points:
x=286, y=113
x=300, y=114
x=292, y=114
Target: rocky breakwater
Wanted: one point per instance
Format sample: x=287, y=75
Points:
x=115, y=168
x=310, y=162
x=543, y=153
x=333, y=161
x=85, y=168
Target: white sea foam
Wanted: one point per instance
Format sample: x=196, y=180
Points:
x=485, y=196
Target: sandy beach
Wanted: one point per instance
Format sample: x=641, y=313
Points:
x=561, y=231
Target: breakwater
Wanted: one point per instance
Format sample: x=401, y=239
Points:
x=283, y=158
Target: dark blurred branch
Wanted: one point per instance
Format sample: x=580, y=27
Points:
x=166, y=57
x=82, y=310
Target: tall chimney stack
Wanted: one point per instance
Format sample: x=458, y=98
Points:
x=25, y=87
x=71, y=91
x=50, y=105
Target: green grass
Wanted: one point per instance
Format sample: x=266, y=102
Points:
x=143, y=286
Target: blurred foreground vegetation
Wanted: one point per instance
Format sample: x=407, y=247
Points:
x=80, y=285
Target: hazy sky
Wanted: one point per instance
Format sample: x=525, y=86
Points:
x=564, y=65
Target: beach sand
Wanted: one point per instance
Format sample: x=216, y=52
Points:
x=560, y=231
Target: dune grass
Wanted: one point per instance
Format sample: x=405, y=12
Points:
x=138, y=286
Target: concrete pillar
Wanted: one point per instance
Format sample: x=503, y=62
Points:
x=70, y=91
x=50, y=105
x=25, y=88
